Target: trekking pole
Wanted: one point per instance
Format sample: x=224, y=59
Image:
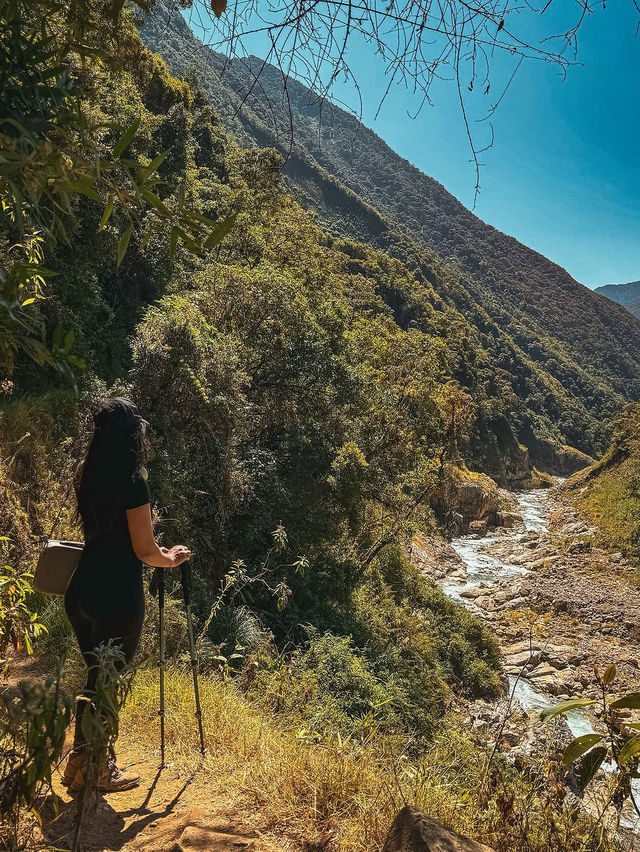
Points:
x=185, y=576
x=157, y=585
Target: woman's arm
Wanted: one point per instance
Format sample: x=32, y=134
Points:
x=144, y=543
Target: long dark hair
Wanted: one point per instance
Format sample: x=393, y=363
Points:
x=116, y=453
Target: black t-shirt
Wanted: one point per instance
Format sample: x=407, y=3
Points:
x=109, y=576
x=135, y=495
x=116, y=533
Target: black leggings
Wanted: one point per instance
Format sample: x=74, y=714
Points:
x=91, y=629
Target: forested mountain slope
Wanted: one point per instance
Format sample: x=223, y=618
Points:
x=624, y=294
x=607, y=492
x=569, y=356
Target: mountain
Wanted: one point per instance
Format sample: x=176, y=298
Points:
x=624, y=294
x=569, y=356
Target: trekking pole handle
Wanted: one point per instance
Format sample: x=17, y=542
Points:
x=185, y=576
x=155, y=581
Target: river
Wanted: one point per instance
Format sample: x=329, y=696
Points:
x=483, y=567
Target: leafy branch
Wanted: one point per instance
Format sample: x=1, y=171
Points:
x=617, y=742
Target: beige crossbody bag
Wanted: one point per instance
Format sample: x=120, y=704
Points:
x=57, y=562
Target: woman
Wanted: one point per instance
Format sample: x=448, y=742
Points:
x=105, y=599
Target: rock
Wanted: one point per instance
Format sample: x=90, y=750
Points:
x=473, y=592
x=576, y=528
x=531, y=658
x=540, y=671
x=478, y=527
x=509, y=520
x=547, y=682
x=514, y=603
x=196, y=838
x=415, y=831
x=560, y=656
x=463, y=497
x=522, y=646
x=580, y=546
x=456, y=523
x=435, y=557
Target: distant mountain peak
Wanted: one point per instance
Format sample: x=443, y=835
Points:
x=623, y=294
x=627, y=295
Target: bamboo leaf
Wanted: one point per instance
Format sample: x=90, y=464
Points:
x=144, y=242
x=220, y=232
x=85, y=188
x=564, y=707
x=123, y=244
x=106, y=215
x=153, y=166
x=579, y=746
x=154, y=201
x=127, y=137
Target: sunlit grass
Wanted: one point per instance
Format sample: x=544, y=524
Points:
x=347, y=793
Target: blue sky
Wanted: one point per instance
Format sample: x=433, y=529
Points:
x=563, y=175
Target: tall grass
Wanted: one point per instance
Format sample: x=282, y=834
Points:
x=345, y=794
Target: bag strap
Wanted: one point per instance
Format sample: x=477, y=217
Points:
x=62, y=506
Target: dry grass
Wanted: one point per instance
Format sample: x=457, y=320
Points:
x=344, y=795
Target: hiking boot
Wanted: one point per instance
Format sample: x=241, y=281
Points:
x=75, y=768
x=113, y=779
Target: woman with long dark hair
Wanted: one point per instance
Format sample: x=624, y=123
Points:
x=105, y=599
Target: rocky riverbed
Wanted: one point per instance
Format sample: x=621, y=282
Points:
x=559, y=603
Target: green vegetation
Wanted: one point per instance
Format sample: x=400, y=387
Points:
x=316, y=787
x=615, y=741
x=283, y=393
x=546, y=361
x=19, y=625
x=607, y=492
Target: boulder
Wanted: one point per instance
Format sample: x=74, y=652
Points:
x=541, y=672
x=523, y=658
x=195, y=835
x=508, y=519
x=463, y=497
x=478, y=527
x=197, y=838
x=415, y=831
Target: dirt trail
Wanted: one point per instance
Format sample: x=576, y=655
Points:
x=168, y=811
x=172, y=810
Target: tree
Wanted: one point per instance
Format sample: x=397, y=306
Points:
x=457, y=411
x=54, y=150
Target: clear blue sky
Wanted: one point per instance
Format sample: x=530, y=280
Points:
x=563, y=175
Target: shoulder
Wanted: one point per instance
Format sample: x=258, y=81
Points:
x=137, y=491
